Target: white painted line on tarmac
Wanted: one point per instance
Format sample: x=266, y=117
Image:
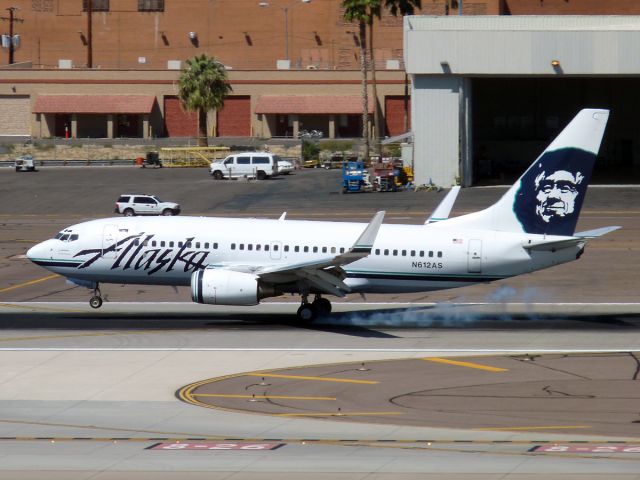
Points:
x=498, y=351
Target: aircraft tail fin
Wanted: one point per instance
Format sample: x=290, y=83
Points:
x=548, y=197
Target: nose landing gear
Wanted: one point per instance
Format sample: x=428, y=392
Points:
x=96, y=300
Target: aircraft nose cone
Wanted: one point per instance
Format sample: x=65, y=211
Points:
x=35, y=252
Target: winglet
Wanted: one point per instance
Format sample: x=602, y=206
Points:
x=366, y=239
x=443, y=209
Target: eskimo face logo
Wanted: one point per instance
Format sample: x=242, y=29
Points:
x=556, y=194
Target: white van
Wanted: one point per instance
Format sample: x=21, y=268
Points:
x=258, y=165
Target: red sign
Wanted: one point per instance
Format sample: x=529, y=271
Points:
x=587, y=448
x=214, y=446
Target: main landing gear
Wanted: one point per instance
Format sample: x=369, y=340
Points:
x=308, y=312
x=96, y=300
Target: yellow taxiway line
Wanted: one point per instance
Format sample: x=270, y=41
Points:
x=337, y=414
x=465, y=364
x=26, y=284
x=221, y=395
x=319, y=379
x=550, y=427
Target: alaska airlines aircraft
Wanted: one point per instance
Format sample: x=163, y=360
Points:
x=230, y=261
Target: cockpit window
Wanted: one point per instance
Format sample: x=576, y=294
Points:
x=67, y=236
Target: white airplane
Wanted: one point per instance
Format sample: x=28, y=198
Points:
x=231, y=261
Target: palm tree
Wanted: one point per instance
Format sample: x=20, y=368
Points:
x=404, y=7
x=202, y=87
x=356, y=11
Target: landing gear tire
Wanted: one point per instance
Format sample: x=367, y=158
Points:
x=322, y=306
x=95, y=302
x=307, y=313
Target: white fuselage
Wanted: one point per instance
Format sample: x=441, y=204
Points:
x=405, y=258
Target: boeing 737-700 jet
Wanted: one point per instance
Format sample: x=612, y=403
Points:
x=231, y=261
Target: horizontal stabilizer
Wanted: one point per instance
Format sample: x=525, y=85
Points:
x=443, y=209
x=597, y=232
x=553, y=245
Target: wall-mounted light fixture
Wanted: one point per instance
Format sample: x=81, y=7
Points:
x=555, y=63
x=193, y=36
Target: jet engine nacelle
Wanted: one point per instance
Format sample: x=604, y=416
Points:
x=226, y=287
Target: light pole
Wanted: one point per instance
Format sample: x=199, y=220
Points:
x=285, y=9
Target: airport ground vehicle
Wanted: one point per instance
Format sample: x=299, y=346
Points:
x=142, y=204
x=152, y=160
x=285, y=167
x=355, y=177
x=260, y=165
x=26, y=163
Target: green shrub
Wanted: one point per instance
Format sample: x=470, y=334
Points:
x=310, y=150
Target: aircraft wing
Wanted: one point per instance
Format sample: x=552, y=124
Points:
x=325, y=274
x=578, y=238
x=443, y=209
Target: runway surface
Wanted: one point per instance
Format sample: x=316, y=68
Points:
x=88, y=394
x=124, y=365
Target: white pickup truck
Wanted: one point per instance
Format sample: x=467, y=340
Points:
x=25, y=164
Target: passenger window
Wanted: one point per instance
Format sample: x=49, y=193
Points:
x=422, y=253
x=188, y=244
x=430, y=254
x=315, y=249
x=296, y=248
x=413, y=253
x=206, y=245
x=162, y=243
x=153, y=243
x=306, y=249
x=276, y=248
x=258, y=247
x=170, y=244
x=137, y=242
x=242, y=246
x=404, y=253
x=266, y=248
x=197, y=244
x=377, y=251
x=124, y=199
x=233, y=246
x=215, y=246
x=286, y=248
x=260, y=160
x=395, y=253
x=439, y=254
x=341, y=249
x=243, y=160
x=250, y=246
x=333, y=249
x=145, y=243
x=324, y=249
x=386, y=251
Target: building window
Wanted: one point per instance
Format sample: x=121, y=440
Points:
x=151, y=5
x=96, y=5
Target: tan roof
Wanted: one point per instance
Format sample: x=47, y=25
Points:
x=311, y=104
x=94, y=104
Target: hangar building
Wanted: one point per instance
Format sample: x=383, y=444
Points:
x=490, y=92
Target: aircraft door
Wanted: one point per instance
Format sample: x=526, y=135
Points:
x=474, y=256
x=109, y=241
x=275, y=250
